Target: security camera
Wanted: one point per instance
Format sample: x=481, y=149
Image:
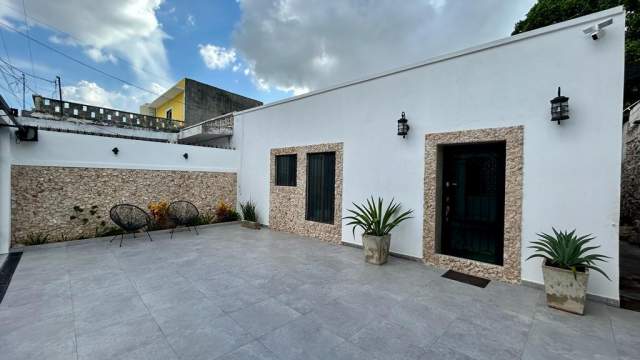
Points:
x=597, y=31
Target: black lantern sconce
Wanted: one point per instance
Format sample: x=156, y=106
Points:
x=559, y=108
x=115, y=151
x=403, y=126
x=185, y=156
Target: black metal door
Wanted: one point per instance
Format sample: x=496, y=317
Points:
x=473, y=201
x=321, y=185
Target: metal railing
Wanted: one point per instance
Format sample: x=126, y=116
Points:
x=103, y=115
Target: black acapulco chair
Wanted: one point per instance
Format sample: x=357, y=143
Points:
x=129, y=218
x=183, y=213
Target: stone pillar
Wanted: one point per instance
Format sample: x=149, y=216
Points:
x=630, y=187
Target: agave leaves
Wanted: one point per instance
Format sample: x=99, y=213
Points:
x=249, y=211
x=375, y=220
x=568, y=251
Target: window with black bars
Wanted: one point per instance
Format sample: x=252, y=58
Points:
x=286, y=167
x=321, y=174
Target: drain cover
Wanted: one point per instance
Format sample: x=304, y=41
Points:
x=467, y=279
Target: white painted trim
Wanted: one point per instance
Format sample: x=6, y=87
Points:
x=468, y=51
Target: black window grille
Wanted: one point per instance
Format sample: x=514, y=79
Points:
x=286, y=167
x=321, y=185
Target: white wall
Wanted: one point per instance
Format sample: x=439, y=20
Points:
x=5, y=190
x=571, y=171
x=68, y=149
x=74, y=150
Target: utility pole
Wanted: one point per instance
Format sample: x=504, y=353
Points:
x=24, y=85
x=60, y=95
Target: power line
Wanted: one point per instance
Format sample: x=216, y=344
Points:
x=9, y=84
x=130, y=64
x=91, y=67
x=26, y=21
x=77, y=60
x=4, y=45
x=24, y=72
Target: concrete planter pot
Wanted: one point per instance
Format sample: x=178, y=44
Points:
x=376, y=248
x=564, y=290
x=250, y=224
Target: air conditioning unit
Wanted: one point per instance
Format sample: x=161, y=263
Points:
x=27, y=133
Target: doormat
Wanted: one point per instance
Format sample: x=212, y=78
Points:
x=629, y=303
x=7, y=270
x=467, y=279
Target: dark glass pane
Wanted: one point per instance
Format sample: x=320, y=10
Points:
x=286, y=168
x=473, y=181
x=321, y=170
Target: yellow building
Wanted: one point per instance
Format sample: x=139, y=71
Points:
x=169, y=105
x=192, y=102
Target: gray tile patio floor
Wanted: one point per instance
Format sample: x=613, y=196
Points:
x=233, y=293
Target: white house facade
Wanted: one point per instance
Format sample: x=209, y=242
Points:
x=482, y=165
x=481, y=155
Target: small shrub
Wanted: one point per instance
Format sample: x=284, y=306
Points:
x=205, y=219
x=374, y=219
x=566, y=250
x=36, y=238
x=249, y=211
x=224, y=212
x=160, y=213
x=110, y=231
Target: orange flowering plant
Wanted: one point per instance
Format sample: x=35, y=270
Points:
x=224, y=212
x=159, y=211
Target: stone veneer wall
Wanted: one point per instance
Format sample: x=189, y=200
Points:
x=43, y=197
x=287, y=204
x=630, y=196
x=514, y=137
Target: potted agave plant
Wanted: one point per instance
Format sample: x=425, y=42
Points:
x=249, y=215
x=376, y=223
x=566, y=268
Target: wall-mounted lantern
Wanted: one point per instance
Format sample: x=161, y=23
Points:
x=115, y=151
x=559, y=108
x=185, y=156
x=403, y=126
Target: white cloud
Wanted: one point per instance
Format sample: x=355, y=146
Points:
x=191, y=20
x=128, y=29
x=100, y=56
x=299, y=45
x=62, y=40
x=88, y=92
x=217, y=57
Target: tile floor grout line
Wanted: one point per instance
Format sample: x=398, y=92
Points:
x=531, y=327
x=613, y=333
x=444, y=332
x=73, y=309
x=164, y=336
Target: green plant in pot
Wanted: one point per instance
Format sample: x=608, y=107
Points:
x=249, y=215
x=566, y=266
x=376, y=222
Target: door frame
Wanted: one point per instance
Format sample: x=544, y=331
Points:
x=513, y=137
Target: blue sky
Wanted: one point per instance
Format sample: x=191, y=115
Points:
x=267, y=50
